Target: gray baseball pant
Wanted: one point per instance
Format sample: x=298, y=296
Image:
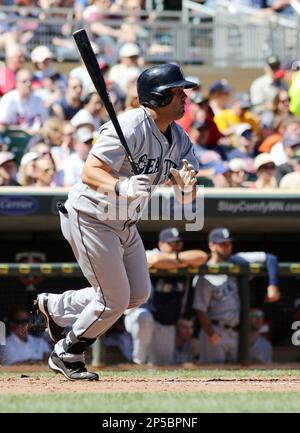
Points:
x=114, y=262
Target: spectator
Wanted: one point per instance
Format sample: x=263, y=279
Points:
x=132, y=100
x=21, y=108
x=44, y=172
x=200, y=134
x=238, y=172
x=50, y=134
x=8, y=170
x=199, y=110
x=261, y=348
x=66, y=146
x=42, y=59
x=152, y=326
x=264, y=89
x=294, y=90
x=232, y=174
x=222, y=175
x=217, y=301
x=228, y=119
x=291, y=144
x=20, y=345
x=50, y=90
x=245, y=145
x=110, y=37
x=186, y=346
x=80, y=72
x=14, y=62
x=208, y=155
x=289, y=127
x=90, y=114
x=66, y=107
x=26, y=169
x=270, y=132
x=265, y=172
x=290, y=181
x=219, y=94
x=71, y=167
x=126, y=72
x=281, y=105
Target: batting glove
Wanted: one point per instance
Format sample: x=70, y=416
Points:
x=186, y=177
x=134, y=186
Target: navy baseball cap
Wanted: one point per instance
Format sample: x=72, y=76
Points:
x=220, y=86
x=170, y=235
x=244, y=99
x=219, y=235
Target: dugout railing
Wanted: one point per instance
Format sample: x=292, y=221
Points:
x=242, y=273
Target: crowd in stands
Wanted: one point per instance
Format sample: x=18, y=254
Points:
x=246, y=139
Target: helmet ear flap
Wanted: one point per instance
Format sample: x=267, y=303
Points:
x=161, y=99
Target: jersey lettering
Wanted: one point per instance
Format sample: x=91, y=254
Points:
x=168, y=164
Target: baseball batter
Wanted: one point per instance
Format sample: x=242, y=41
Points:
x=100, y=215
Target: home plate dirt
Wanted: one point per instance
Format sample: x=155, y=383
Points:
x=57, y=384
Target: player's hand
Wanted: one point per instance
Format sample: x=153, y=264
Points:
x=185, y=177
x=273, y=293
x=135, y=186
x=215, y=339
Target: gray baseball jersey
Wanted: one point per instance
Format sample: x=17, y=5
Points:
x=261, y=350
x=110, y=253
x=218, y=296
x=150, y=150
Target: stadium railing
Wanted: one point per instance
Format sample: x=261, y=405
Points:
x=219, y=36
x=242, y=273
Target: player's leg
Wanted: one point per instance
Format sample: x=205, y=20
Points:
x=62, y=310
x=136, y=266
x=99, y=251
x=162, y=347
x=232, y=342
x=140, y=324
x=66, y=307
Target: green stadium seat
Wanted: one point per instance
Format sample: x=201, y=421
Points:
x=205, y=181
x=18, y=142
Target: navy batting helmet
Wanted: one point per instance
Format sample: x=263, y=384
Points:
x=154, y=84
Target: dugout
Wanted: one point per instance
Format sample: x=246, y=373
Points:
x=258, y=220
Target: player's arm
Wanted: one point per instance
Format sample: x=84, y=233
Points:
x=193, y=257
x=96, y=174
x=160, y=260
x=180, y=259
x=271, y=262
x=208, y=327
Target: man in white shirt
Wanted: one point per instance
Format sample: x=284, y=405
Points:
x=20, y=345
x=71, y=167
x=127, y=71
x=264, y=89
x=21, y=108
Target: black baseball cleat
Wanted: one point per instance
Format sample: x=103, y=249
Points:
x=55, y=332
x=71, y=370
